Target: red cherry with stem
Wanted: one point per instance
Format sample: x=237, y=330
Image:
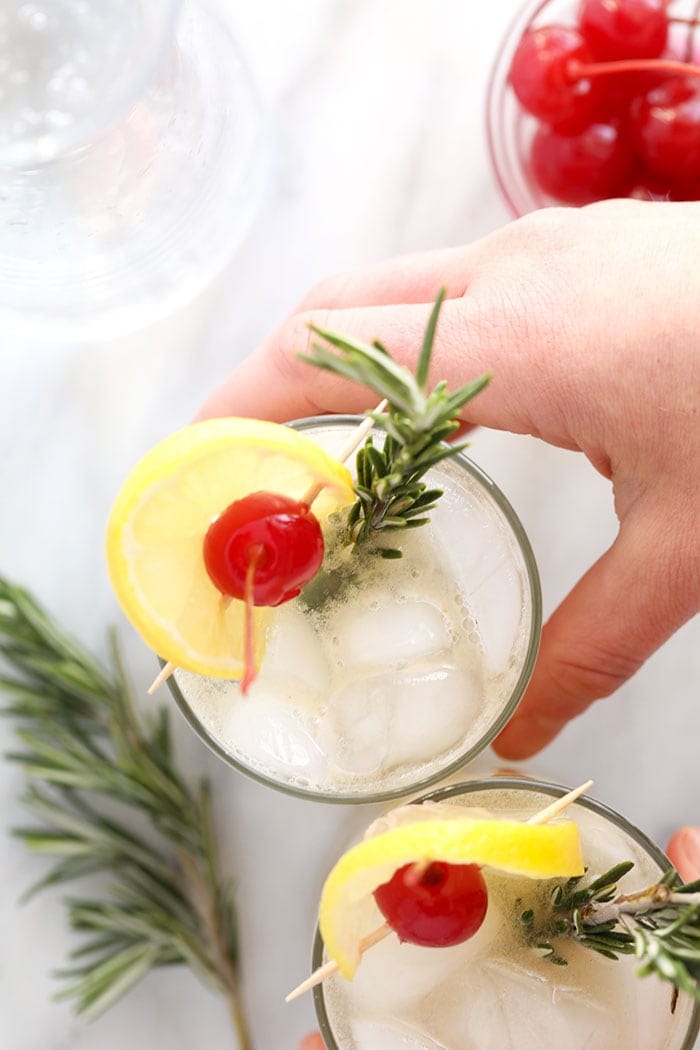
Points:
x=441, y=905
x=579, y=169
x=624, y=28
x=540, y=75
x=284, y=533
x=666, y=129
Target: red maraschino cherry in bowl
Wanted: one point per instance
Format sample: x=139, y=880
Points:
x=591, y=99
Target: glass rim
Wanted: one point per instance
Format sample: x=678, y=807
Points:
x=92, y=125
x=535, y=596
x=506, y=784
x=496, y=87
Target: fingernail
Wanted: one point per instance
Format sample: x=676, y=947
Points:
x=684, y=853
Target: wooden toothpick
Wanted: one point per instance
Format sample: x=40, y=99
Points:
x=559, y=804
x=162, y=676
x=329, y=968
x=352, y=444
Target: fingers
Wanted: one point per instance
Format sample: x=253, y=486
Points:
x=684, y=853
x=407, y=279
x=274, y=383
x=312, y=1042
x=389, y=301
x=622, y=610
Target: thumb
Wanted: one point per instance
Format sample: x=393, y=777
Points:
x=684, y=853
x=312, y=1042
x=618, y=614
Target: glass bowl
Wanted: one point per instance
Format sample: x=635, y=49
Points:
x=133, y=158
x=510, y=130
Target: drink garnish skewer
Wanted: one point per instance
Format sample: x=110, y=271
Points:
x=308, y=498
x=551, y=811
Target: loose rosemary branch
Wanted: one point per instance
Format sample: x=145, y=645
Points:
x=659, y=925
x=390, y=491
x=83, y=749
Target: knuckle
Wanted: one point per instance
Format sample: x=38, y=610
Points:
x=292, y=340
x=328, y=292
x=589, y=675
x=542, y=230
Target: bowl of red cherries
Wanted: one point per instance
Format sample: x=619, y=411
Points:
x=591, y=99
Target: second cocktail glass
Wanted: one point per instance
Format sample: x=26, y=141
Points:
x=500, y=987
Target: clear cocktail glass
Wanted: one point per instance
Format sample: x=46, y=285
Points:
x=404, y=670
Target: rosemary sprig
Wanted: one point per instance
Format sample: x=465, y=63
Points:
x=390, y=491
x=660, y=925
x=83, y=749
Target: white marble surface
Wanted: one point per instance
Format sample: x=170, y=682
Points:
x=379, y=148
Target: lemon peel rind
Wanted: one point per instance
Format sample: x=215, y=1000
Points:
x=163, y=640
x=179, y=451
x=212, y=435
x=538, y=852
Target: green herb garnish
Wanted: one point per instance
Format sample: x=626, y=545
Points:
x=390, y=491
x=95, y=773
x=660, y=925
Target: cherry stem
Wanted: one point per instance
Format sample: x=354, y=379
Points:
x=578, y=70
x=255, y=554
x=693, y=24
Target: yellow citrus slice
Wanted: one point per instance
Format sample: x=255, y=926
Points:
x=158, y=522
x=347, y=910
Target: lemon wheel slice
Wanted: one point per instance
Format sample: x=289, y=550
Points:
x=347, y=909
x=158, y=522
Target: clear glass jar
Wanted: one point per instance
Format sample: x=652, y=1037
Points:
x=340, y=1004
x=484, y=554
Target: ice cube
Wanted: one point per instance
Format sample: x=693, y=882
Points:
x=355, y=731
x=271, y=736
x=395, y=718
x=391, y=635
x=294, y=656
x=394, y=977
x=432, y=712
x=481, y=556
x=503, y=1004
x=374, y=1035
x=468, y=536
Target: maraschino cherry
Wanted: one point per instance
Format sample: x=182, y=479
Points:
x=624, y=28
x=666, y=127
x=579, y=169
x=541, y=78
x=262, y=549
x=441, y=905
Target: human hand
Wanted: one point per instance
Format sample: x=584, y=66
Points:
x=588, y=320
x=684, y=853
